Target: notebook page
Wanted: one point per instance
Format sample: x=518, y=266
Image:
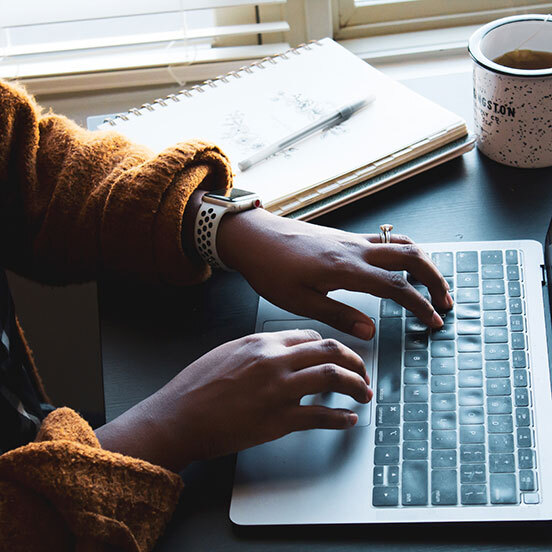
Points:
x=249, y=113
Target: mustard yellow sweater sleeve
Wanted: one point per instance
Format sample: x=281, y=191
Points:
x=63, y=492
x=76, y=205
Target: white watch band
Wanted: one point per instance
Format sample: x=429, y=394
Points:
x=208, y=219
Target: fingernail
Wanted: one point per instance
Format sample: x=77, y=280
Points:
x=363, y=330
x=369, y=395
x=447, y=285
x=352, y=419
x=436, y=321
x=450, y=300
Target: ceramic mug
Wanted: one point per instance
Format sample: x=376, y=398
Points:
x=513, y=107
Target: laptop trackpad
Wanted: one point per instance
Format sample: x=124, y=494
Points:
x=364, y=348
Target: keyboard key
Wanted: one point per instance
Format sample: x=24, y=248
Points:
x=518, y=341
x=442, y=349
x=499, y=405
x=527, y=480
x=443, y=487
x=497, y=369
x=501, y=442
x=531, y=498
x=443, y=384
x=494, y=302
x=414, y=483
x=503, y=488
x=521, y=397
x=414, y=358
x=415, y=341
x=392, y=474
x=471, y=415
x=472, y=434
x=497, y=351
x=415, y=450
x=389, y=361
x=444, y=263
x=526, y=459
x=520, y=378
x=388, y=415
x=468, y=311
x=514, y=289
x=469, y=344
x=414, y=325
x=511, y=256
x=495, y=318
x=450, y=282
x=415, y=412
x=515, y=305
x=498, y=386
x=524, y=437
x=443, y=420
x=470, y=397
x=491, y=272
x=512, y=272
x=470, y=378
x=468, y=327
x=496, y=335
x=519, y=359
x=378, y=475
x=390, y=309
x=446, y=332
x=415, y=375
x=443, y=458
x=473, y=494
x=388, y=435
x=493, y=287
x=470, y=361
x=443, y=402
x=500, y=424
x=415, y=394
x=470, y=454
x=443, y=439
x=468, y=280
x=466, y=261
x=416, y=431
x=491, y=257
x=472, y=473
x=467, y=295
x=443, y=366
x=385, y=496
x=386, y=455
x=523, y=417
x=516, y=323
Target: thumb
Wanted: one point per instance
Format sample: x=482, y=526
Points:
x=333, y=313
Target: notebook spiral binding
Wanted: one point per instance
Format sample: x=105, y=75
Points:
x=210, y=83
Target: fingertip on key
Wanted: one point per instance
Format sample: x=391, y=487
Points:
x=363, y=330
x=436, y=320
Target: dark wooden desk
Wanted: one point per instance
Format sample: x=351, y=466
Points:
x=149, y=335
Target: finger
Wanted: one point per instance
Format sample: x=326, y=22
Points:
x=319, y=417
x=326, y=351
x=344, y=318
x=326, y=378
x=289, y=338
x=395, y=238
x=411, y=258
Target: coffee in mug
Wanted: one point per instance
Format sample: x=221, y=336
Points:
x=512, y=89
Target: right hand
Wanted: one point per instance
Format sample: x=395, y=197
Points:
x=241, y=394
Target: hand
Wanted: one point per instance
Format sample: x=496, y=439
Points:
x=241, y=394
x=295, y=264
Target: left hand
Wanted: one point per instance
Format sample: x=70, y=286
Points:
x=295, y=264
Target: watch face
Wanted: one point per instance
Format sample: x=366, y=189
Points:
x=233, y=195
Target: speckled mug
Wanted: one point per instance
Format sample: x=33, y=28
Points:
x=513, y=107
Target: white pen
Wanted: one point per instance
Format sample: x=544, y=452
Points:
x=332, y=119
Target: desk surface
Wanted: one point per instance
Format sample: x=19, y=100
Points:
x=148, y=336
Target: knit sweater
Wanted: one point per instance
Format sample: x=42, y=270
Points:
x=74, y=206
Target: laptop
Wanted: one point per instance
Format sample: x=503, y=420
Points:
x=458, y=426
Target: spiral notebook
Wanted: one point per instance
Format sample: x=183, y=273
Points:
x=399, y=134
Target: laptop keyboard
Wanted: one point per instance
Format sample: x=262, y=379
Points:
x=454, y=421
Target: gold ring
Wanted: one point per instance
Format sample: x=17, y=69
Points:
x=385, y=234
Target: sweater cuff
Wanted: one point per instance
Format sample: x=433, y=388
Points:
x=104, y=496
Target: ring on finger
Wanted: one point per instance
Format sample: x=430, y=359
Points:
x=385, y=234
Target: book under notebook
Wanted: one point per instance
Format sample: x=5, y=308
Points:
x=246, y=111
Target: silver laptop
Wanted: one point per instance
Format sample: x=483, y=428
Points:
x=458, y=429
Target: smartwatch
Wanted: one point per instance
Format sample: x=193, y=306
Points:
x=214, y=205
